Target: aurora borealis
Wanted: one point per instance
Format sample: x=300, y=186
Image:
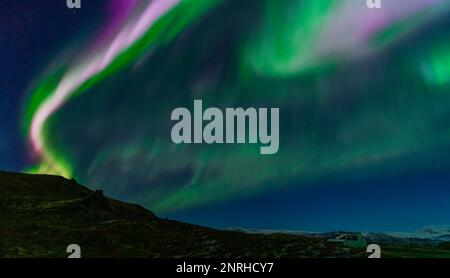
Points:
x=364, y=98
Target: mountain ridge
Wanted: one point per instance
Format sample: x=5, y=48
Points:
x=42, y=214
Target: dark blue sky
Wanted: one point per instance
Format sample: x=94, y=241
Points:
x=392, y=204
x=389, y=201
x=31, y=32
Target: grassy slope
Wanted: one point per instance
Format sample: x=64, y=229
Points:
x=40, y=215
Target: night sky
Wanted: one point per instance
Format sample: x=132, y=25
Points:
x=364, y=98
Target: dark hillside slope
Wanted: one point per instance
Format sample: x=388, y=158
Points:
x=40, y=215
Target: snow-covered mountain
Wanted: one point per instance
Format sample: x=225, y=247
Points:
x=429, y=234
x=425, y=235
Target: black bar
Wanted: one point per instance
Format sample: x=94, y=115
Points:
x=293, y=267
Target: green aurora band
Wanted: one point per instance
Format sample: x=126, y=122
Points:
x=351, y=98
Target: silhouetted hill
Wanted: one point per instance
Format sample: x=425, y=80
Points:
x=41, y=215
